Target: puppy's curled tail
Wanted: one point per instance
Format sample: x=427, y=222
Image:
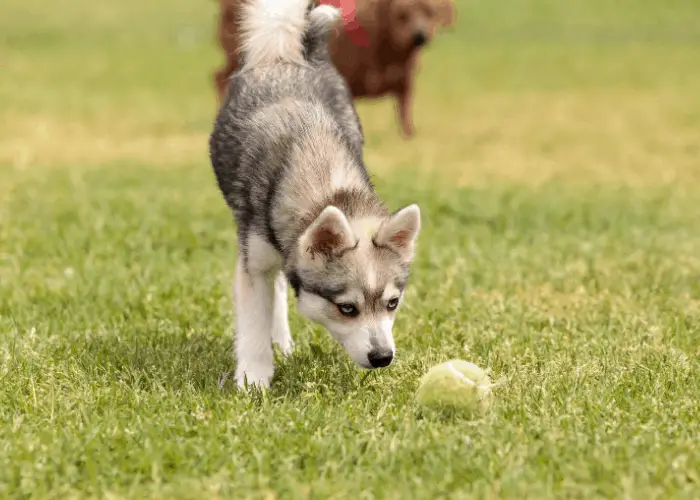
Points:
x=274, y=31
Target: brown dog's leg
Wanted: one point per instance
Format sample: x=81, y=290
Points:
x=228, y=40
x=404, y=106
x=404, y=96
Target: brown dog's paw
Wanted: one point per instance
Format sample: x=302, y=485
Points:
x=408, y=131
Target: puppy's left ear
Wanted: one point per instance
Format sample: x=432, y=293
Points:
x=400, y=231
x=446, y=12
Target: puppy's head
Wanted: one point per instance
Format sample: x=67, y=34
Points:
x=413, y=23
x=349, y=276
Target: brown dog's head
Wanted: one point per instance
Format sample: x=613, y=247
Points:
x=413, y=23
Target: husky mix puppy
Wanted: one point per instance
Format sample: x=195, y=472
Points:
x=287, y=152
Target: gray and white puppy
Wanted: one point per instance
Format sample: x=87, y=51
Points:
x=287, y=152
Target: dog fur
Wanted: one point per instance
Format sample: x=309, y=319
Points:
x=287, y=153
x=397, y=30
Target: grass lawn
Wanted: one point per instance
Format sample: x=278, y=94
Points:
x=557, y=165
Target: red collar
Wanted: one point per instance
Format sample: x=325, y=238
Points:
x=356, y=33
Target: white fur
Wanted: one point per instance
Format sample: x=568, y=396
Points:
x=358, y=337
x=390, y=292
x=280, y=316
x=371, y=276
x=346, y=177
x=363, y=230
x=272, y=31
x=366, y=227
x=324, y=15
x=257, y=305
x=354, y=338
x=386, y=325
x=253, y=296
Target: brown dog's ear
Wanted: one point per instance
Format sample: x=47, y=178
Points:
x=446, y=12
x=373, y=16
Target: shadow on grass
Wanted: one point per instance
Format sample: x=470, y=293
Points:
x=319, y=370
x=156, y=359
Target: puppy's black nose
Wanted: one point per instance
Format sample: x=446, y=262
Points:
x=380, y=359
x=419, y=38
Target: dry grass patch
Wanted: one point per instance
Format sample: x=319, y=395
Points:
x=50, y=141
x=635, y=138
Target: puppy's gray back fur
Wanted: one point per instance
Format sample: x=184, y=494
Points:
x=278, y=137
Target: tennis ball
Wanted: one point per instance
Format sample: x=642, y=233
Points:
x=456, y=385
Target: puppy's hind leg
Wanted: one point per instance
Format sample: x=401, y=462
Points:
x=253, y=304
x=280, y=318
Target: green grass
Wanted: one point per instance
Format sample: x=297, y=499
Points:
x=557, y=167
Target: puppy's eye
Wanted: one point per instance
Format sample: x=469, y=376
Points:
x=348, y=310
x=393, y=304
x=403, y=17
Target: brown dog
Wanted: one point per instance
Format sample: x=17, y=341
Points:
x=229, y=15
x=397, y=30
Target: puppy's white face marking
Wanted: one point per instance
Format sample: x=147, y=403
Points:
x=353, y=283
x=370, y=330
x=390, y=291
x=371, y=278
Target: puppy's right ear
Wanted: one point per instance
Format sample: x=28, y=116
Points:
x=328, y=235
x=400, y=231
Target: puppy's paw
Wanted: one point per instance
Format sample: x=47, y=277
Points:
x=254, y=377
x=285, y=346
x=282, y=337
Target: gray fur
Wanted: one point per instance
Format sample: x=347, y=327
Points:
x=271, y=111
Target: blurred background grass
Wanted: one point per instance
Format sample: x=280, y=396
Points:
x=518, y=90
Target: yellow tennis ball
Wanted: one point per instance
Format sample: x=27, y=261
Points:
x=456, y=385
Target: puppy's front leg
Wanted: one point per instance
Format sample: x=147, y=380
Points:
x=280, y=316
x=253, y=299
